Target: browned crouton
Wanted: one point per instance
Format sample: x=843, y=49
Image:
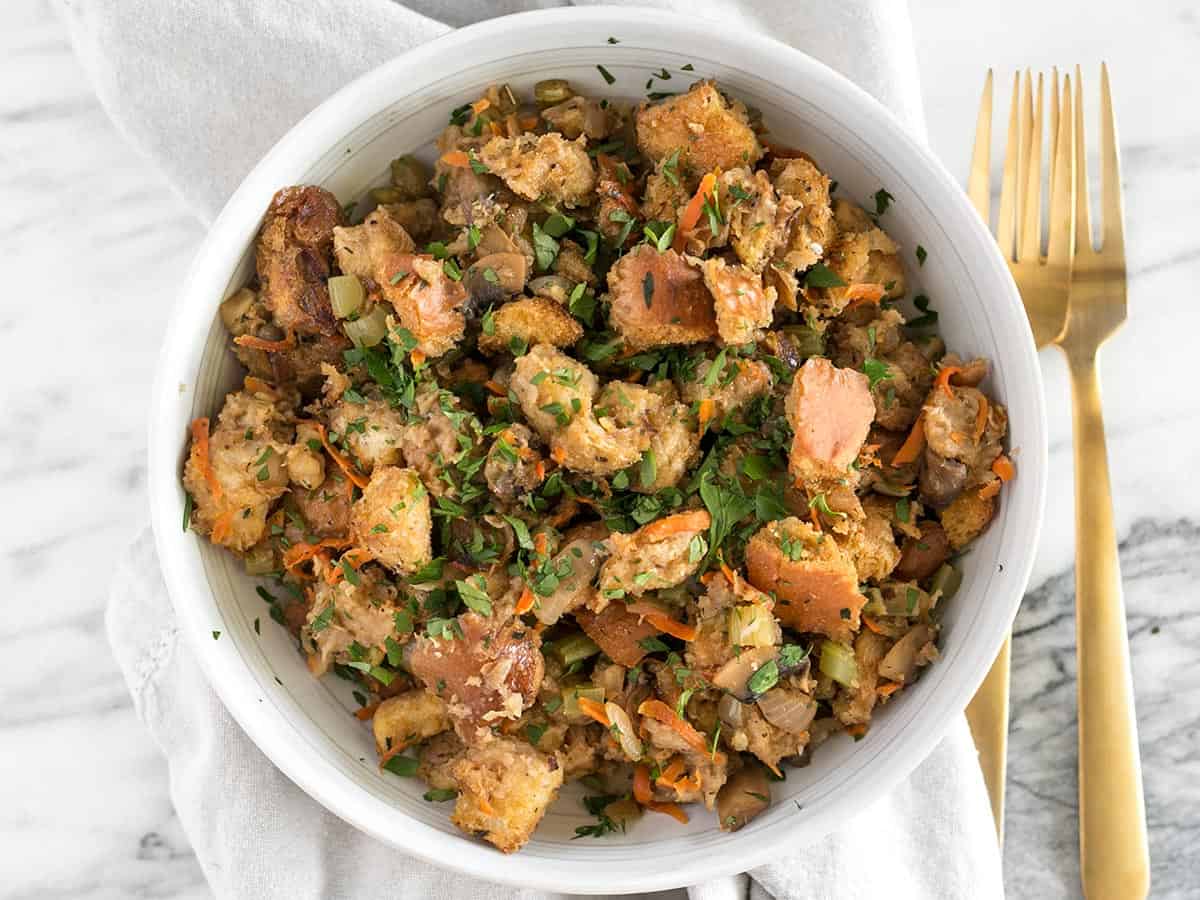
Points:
x=234, y=483
x=391, y=519
x=530, y=320
x=753, y=379
x=758, y=218
x=743, y=306
x=408, y=719
x=830, y=410
x=658, y=555
x=872, y=546
x=542, y=167
x=965, y=518
x=365, y=250
x=813, y=580
x=658, y=300
x=708, y=130
x=486, y=670
x=504, y=789
x=293, y=254
x=812, y=225
x=617, y=631
x=346, y=613
x=428, y=302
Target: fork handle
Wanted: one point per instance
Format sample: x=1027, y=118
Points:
x=1114, y=858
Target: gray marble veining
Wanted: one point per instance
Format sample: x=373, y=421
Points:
x=95, y=243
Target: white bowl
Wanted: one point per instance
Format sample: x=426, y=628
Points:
x=305, y=726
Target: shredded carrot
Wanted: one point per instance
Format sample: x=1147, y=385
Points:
x=945, y=373
x=991, y=489
x=660, y=712
x=539, y=543
x=200, y=450
x=539, y=470
x=672, y=773
x=527, y=123
x=484, y=807
x=258, y=386
x=355, y=557
x=495, y=388
x=456, y=159
x=981, y=417
x=865, y=292
x=662, y=621
x=418, y=358
x=815, y=518
x=730, y=575
x=299, y=553
x=1003, y=468
x=691, y=213
x=674, y=810
x=708, y=409
x=366, y=712
x=856, y=730
x=480, y=105
x=524, y=602
x=913, y=444
x=357, y=478
x=695, y=520
x=257, y=343
x=558, y=454
x=611, y=186
x=496, y=128
x=872, y=624
x=641, y=784
x=594, y=711
x=222, y=526
x=886, y=690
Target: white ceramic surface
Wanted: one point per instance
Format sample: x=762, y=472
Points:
x=304, y=725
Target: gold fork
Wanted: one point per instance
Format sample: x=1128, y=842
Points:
x=1044, y=283
x=1114, y=859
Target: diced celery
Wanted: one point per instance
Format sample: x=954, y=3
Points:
x=346, y=295
x=369, y=330
x=946, y=581
x=260, y=559
x=838, y=662
x=574, y=648
x=572, y=694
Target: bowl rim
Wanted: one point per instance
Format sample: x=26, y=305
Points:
x=192, y=316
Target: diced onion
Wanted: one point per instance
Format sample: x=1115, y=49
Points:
x=552, y=91
x=731, y=710
x=792, y=711
x=369, y=330
x=752, y=625
x=623, y=727
x=838, y=662
x=346, y=295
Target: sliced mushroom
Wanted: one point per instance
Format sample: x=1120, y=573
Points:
x=901, y=661
x=942, y=479
x=921, y=557
x=746, y=794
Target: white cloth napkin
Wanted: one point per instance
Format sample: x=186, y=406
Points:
x=204, y=87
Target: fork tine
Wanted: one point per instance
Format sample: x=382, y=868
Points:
x=1110, y=171
x=1023, y=157
x=979, y=181
x=1029, y=243
x=1062, y=183
x=1083, y=215
x=1006, y=225
x=1052, y=136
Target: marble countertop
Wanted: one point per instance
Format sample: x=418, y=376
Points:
x=87, y=226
